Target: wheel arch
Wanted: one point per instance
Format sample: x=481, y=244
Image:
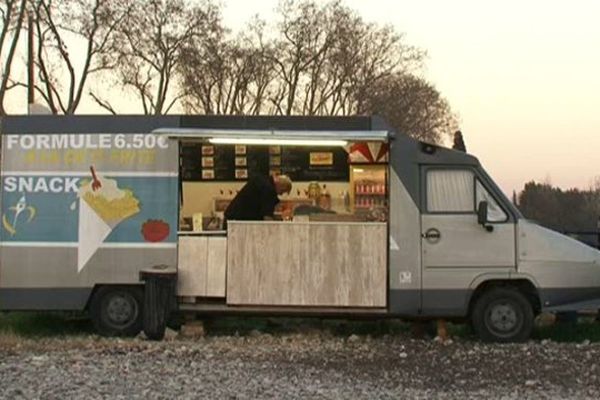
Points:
x=99, y=286
x=523, y=285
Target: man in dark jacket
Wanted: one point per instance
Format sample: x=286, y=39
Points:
x=258, y=198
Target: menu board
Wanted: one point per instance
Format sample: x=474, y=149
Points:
x=208, y=162
x=315, y=164
x=190, y=167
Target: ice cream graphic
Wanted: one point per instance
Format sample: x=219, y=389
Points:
x=102, y=206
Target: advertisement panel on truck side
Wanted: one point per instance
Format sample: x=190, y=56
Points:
x=83, y=209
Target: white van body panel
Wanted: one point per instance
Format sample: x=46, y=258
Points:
x=464, y=253
x=405, y=246
x=556, y=261
x=465, y=243
x=537, y=243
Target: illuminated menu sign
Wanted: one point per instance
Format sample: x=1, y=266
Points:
x=208, y=162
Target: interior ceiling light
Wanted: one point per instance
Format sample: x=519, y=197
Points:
x=280, y=142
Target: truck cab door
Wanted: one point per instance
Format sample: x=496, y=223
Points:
x=456, y=248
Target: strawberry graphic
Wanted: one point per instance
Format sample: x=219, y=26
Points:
x=155, y=230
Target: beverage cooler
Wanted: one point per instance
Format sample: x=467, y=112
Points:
x=368, y=187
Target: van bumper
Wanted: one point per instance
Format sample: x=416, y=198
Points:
x=570, y=299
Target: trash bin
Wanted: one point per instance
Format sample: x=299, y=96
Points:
x=159, y=299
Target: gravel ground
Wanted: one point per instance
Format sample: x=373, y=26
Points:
x=294, y=366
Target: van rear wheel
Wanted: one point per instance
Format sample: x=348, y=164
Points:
x=117, y=310
x=502, y=314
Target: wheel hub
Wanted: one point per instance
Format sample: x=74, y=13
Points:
x=503, y=317
x=121, y=310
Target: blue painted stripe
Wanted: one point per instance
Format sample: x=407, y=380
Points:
x=55, y=221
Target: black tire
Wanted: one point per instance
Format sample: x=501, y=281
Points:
x=503, y=315
x=117, y=310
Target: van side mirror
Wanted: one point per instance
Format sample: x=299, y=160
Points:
x=482, y=216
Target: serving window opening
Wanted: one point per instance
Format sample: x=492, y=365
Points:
x=324, y=245
x=329, y=183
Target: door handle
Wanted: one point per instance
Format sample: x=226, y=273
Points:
x=432, y=235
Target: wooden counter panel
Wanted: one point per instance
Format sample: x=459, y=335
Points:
x=307, y=264
x=261, y=261
x=191, y=265
x=348, y=263
x=216, y=264
x=201, y=266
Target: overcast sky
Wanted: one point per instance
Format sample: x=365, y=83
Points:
x=524, y=77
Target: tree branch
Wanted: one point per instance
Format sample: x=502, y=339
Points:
x=102, y=103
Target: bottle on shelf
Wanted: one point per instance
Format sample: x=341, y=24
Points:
x=324, y=200
x=346, y=196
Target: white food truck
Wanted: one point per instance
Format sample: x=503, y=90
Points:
x=377, y=224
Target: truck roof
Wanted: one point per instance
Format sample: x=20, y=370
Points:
x=274, y=134
x=31, y=124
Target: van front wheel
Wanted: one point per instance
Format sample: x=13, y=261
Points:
x=502, y=314
x=117, y=310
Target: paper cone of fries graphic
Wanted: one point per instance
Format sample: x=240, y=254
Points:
x=102, y=206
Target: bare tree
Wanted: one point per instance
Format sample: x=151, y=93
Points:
x=595, y=185
x=264, y=72
x=412, y=106
x=228, y=76
x=371, y=55
x=327, y=72
x=59, y=27
x=304, y=42
x=322, y=59
x=151, y=42
x=328, y=58
x=593, y=201
x=558, y=209
x=12, y=14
